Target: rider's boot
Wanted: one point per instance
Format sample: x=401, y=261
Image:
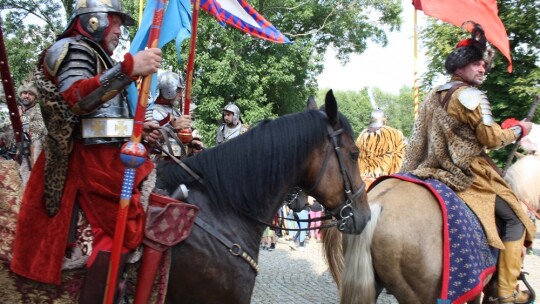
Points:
x=509, y=268
x=93, y=289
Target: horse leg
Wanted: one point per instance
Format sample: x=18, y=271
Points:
x=407, y=244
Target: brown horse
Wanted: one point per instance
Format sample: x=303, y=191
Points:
x=244, y=183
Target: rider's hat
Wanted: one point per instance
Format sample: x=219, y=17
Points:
x=470, y=49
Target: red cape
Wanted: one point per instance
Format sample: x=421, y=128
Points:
x=94, y=180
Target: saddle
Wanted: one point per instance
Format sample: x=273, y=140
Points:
x=468, y=260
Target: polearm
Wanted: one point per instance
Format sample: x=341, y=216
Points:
x=185, y=135
x=191, y=58
x=9, y=91
x=152, y=256
x=529, y=117
x=133, y=155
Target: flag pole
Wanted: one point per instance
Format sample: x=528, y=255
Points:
x=140, y=12
x=185, y=135
x=416, y=86
x=191, y=58
x=133, y=155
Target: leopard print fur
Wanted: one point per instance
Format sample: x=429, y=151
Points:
x=60, y=122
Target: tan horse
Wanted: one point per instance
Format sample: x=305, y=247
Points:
x=399, y=250
x=524, y=177
x=406, y=246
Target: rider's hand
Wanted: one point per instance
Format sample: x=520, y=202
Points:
x=150, y=132
x=146, y=62
x=526, y=127
x=182, y=122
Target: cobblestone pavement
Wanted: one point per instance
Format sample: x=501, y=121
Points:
x=302, y=277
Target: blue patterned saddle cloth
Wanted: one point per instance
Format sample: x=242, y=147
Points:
x=467, y=258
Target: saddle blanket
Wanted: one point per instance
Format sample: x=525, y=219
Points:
x=467, y=258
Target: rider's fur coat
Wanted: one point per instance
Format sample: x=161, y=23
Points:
x=447, y=147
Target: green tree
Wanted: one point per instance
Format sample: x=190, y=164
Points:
x=510, y=94
x=399, y=109
x=354, y=105
x=28, y=28
x=265, y=79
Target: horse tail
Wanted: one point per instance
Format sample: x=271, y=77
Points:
x=333, y=252
x=358, y=283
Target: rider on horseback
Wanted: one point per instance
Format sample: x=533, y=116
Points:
x=453, y=128
x=87, y=116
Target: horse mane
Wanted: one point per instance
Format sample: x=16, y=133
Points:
x=258, y=166
x=524, y=177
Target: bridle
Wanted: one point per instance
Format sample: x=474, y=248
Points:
x=344, y=211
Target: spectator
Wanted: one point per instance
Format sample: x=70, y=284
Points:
x=232, y=125
x=33, y=126
x=382, y=148
x=298, y=216
x=315, y=211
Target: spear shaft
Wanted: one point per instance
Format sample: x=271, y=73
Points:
x=133, y=155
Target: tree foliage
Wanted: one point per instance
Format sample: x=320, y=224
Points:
x=265, y=79
x=357, y=107
x=28, y=28
x=510, y=94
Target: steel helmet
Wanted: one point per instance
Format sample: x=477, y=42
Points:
x=231, y=107
x=168, y=83
x=94, y=16
x=377, y=119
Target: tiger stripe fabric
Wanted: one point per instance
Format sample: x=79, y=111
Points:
x=381, y=152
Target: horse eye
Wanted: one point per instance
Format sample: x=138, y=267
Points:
x=355, y=154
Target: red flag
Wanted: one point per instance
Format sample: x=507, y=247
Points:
x=483, y=12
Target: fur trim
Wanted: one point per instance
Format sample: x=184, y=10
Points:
x=147, y=187
x=28, y=86
x=441, y=147
x=470, y=50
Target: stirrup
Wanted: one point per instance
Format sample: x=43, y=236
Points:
x=530, y=290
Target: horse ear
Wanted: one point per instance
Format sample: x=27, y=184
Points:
x=330, y=106
x=311, y=103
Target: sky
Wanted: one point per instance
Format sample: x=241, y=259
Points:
x=387, y=68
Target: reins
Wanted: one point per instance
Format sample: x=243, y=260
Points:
x=234, y=248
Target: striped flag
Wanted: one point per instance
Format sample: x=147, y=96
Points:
x=241, y=15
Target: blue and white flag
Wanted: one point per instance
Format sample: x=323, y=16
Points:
x=176, y=25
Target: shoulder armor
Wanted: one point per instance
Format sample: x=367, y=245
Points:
x=159, y=112
x=471, y=98
x=447, y=86
x=57, y=53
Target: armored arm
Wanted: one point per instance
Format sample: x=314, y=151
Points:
x=76, y=68
x=488, y=132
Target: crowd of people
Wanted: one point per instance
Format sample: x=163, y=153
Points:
x=81, y=92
